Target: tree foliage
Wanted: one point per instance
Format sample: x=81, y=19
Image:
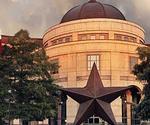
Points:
x=5, y=83
x=142, y=71
x=26, y=85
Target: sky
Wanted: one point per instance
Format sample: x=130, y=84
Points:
x=38, y=15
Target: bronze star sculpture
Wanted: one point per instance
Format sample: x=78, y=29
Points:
x=95, y=99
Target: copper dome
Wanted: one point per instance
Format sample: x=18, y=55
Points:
x=92, y=9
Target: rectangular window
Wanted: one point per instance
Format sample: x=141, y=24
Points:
x=93, y=59
x=126, y=38
x=68, y=39
x=82, y=37
x=118, y=37
x=133, y=39
x=96, y=120
x=91, y=120
x=60, y=40
x=133, y=61
x=104, y=36
x=54, y=42
x=54, y=66
x=92, y=37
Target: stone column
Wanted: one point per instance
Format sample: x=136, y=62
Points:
x=59, y=114
x=51, y=121
x=124, y=109
x=62, y=110
x=129, y=108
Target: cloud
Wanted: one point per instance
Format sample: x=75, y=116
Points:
x=14, y=0
x=38, y=15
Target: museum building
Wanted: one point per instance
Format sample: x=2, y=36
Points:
x=94, y=33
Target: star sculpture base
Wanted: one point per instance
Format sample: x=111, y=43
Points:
x=95, y=99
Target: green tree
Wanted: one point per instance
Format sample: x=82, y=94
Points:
x=142, y=71
x=32, y=92
x=5, y=83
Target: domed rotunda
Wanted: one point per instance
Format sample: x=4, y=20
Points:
x=92, y=9
x=95, y=33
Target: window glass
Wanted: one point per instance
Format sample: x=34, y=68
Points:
x=62, y=40
x=125, y=38
x=54, y=42
x=104, y=36
x=133, y=61
x=82, y=37
x=93, y=59
x=67, y=39
x=133, y=39
x=90, y=120
x=118, y=37
x=54, y=66
x=92, y=37
x=96, y=120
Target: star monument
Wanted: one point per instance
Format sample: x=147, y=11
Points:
x=95, y=99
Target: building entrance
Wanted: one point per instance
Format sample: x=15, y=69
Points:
x=94, y=120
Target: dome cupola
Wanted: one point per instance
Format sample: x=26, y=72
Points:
x=92, y=9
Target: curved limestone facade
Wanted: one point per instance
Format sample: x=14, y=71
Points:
x=110, y=43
